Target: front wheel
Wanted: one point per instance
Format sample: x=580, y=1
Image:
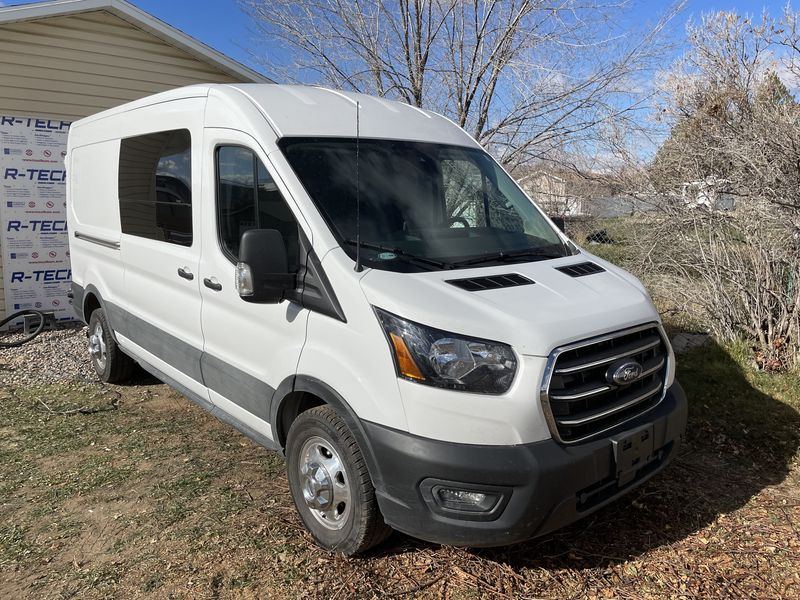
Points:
x=330, y=484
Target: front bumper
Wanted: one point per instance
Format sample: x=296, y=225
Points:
x=544, y=485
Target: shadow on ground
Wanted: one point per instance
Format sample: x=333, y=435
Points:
x=739, y=441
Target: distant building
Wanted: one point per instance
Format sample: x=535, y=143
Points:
x=550, y=192
x=708, y=193
x=568, y=193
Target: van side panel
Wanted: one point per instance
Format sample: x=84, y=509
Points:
x=93, y=218
x=154, y=311
x=249, y=348
x=93, y=171
x=164, y=306
x=353, y=358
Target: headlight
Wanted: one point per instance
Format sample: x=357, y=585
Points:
x=435, y=357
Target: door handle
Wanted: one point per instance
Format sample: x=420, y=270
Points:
x=212, y=284
x=185, y=273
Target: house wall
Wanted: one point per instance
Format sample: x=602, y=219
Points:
x=70, y=67
x=550, y=193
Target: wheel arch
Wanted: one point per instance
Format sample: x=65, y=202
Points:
x=299, y=393
x=91, y=299
x=91, y=302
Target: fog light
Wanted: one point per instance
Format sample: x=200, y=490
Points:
x=465, y=500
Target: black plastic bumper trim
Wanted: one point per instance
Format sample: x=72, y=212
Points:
x=551, y=484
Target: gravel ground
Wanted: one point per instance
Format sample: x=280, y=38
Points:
x=54, y=357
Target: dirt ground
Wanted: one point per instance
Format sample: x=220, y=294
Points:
x=133, y=491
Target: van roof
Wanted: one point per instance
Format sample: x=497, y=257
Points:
x=310, y=111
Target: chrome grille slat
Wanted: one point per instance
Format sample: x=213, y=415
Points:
x=611, y=411
x=652, y=370
x=580, y=403
x=609, y=359
x=581, y=395
x=649, y=370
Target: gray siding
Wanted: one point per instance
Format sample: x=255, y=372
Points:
x=71, y=67
x=74, y=66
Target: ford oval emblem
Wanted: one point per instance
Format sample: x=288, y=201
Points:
x=624, y=373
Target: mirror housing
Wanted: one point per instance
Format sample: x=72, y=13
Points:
x=558, y=222
x=262, y=275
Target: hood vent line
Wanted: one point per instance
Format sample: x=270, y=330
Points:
x=581, y=269
x=493, y=282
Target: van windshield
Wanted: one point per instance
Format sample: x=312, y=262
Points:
x=423, y=206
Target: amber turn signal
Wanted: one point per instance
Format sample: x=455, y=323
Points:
x=405, y=362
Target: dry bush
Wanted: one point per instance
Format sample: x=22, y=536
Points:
x=725, y=241
x=737, y=272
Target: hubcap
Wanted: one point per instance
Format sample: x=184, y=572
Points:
x=97, y=347
x=325, y=483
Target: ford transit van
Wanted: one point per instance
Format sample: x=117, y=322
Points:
x=357, y=284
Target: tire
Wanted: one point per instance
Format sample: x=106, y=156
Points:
x=330, y=484
x=110, y=363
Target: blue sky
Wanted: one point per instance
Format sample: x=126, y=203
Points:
x=222, y=25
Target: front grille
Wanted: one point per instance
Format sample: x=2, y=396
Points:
x=580, y=400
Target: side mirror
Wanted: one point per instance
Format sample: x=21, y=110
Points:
x=262, y=274
x=558, y=222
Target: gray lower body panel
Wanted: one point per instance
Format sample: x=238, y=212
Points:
x=245, y=430
x=248, y=392
x=540, y=486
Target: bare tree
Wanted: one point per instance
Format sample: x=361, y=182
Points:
x=726, y=245
x=529, y=79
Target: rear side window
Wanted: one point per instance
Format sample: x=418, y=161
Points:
x=247, y=198
x=155, y=186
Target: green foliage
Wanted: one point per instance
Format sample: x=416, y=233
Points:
x=773, y=92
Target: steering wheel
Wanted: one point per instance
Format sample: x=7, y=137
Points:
x=453, y=220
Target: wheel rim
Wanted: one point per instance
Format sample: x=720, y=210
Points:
x=97, y=347
x=325, y=483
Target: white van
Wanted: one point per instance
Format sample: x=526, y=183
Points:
x=356, y=283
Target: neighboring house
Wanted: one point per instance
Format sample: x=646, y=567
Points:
x=61, y=61
x=550, y=192
x=708, y=193
x=566, y=193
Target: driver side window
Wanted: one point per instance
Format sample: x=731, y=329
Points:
x=248, y=198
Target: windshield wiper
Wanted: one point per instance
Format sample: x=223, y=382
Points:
x=503, y=256
x=402, y=253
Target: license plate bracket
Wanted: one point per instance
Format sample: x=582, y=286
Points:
x=632, y=452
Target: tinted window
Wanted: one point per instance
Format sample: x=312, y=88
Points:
x=247, y=198
x=155, y=186
x=440, y=206
x=472, y=200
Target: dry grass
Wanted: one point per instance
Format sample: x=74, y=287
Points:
x=149, y=496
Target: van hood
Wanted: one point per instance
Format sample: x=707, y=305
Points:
x=534, y=319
